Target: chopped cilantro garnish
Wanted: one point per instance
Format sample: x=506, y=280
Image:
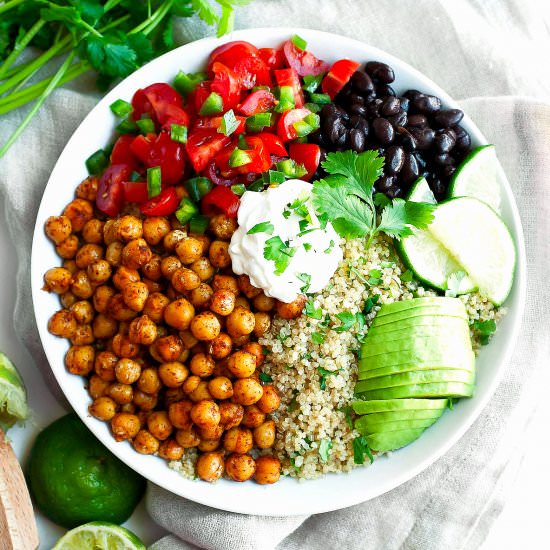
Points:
x=280, y=252
x=307, y=247
x=484, y=330
x=347, y=319
x=370, y=303
x=306, y=279
x=374, y=277
x=324, y=374
x=286, y=214
x=265, y=377
x=302, y=224
x=325, y=445
x=331, y=246
x=317, y=337
x=325, y=322
x=386, y=265
x=262, y=227
x=407, y=276
x=360, y=449
x=312, y=311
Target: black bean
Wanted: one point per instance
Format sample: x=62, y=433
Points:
x=394, y=192
x=356, y=99
x=417, y=120
x=380, y=71
x=384, y=183
x=334, y=131
x=329, y=109
x=359, y=123
x=362, y=82
x=463, y=141
x=420, y=160
x=444, y=142
x=438, y=188
x=373, y=107
x=446, y=118
x=390, y=106
x=357, y=109
x=400, y=119
x=424, y=137
x=406, y=140
x=426, y=104
x=357, y=140
x=343, y=137
x=384, y=90
x=383, y=130
x=317, y=137
x=409, y=171
x=395, y=157
x=405, y=101
x=443, y=160
x=412, y=94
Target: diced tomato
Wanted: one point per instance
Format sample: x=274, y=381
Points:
x=229, y=54
x=289, y=77
x=122, y=153
x=285, y=126
x=226, y=83
x=162, y=205
x=308, y=154
x=338, y=76
x=170, y=114
x=220, y=200
x=259, y=101
x=213, y=123
x=203, y=145
x=273, y=144
x=110, y=195
x=153, y=99
x=274, y=59
x=169, y=155
x=253, y=71
x=302, y=61
x=140, y=147
x=199, y=95
x=261, y=160
x=135, y=191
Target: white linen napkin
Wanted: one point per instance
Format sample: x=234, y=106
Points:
x=471, y=48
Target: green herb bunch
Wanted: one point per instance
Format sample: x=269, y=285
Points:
x=112, y=37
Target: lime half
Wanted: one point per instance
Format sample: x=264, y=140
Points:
x=13, y=397
x=99, y=535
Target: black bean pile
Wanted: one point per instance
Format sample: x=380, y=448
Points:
x=414, y=134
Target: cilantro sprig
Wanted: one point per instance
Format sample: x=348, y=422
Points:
x=346, y=197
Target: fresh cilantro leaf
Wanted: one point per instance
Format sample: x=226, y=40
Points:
x=306, y=279
x=317, y=337
x=381, y=200
x=324, y=374
x=307, y=247
x=286, y=214
x=361, y=449
x=325, y=445
x=302, y=224
x=313, y=312
x=453, y=283
x=398, y=217
x=142, y=47
x=374, y=277
x=325, y=322
x=205, y=11
x=109, y=57
x=407, y=276
x=265, y=377
x=278, y=251
x=370, y=303
x=331, y=246
x=262, y=227
x=484, y=330
x=227, y=19
x=358, y=275
x=348, y=412
x=387, y=265
x=347, y=319
x=292, y=461
x=168, y=34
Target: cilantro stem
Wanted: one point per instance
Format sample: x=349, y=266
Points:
x=10, y=5
x=150, y=23
x=52, y=85
x=20, y=46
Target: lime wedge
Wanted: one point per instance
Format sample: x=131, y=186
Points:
x=98, y=535
x=480, y=176
x=13, y=396
x=421, y=192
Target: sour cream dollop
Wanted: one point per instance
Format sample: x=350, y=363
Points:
x=312, y=252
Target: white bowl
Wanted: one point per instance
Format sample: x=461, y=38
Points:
x=288, y=497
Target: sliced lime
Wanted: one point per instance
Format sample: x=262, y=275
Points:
x=99, y=535
x=480, y=176
x=13, y=397
x=421, y=192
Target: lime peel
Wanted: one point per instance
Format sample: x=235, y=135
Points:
x=99, y=535
x=13, y=396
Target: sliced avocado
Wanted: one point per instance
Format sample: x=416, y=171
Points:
x=444, y=303
x=416, y=377
x=448, y=325
x=430, y=311
x=390, y=441
x=404, y=414
x=419, y=322
x=364, y=427
x=441, y=389
x=387, y=405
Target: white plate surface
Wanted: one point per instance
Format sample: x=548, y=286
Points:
x=288, y=497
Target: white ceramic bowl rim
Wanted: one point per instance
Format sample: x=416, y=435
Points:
x=288, y=497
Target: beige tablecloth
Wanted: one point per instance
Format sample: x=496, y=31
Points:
x=489, y=54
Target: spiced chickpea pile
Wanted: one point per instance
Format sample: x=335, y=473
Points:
x=167, y=336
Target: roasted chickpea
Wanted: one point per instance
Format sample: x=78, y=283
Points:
x=113, y=254
x=264, y=435
x=184, y=279
x=270, y=400
x=149, y=381
x=120, y=393
x=81, y=286
x=124, y=276
x=238, y=440
x=241, y=364
x=203, y=268
x=123, y=347
x=125, y=426
x=173, y=374
x=129, y=228
x=240, y=322
x=88, y=254
x=79, y=211
x=172, y=238
x=104, y=327
x=104, y=365
x=222, y=226
x=58, y=228
x=219, y=254
x=189, y=341
x=208, y=445
x=189, y=250
x=179, y=414
x=103, y=408
x=240, y=467
x=231, y=414
x=247, y=391
x=155, y=229
x=58, y=280
x=92, y=232
x=135, y=295
x=159, y=425
x=205, y=326
x=200, y=392
x=102, y=295
x=202, y=365
x=256, y=350
x=187, y=437
x=127, y=371
x=136, y=254
x=173, y=395
x=221, y=346
x=117, y=309
x=145, y=443
x=268, y=470
x=220, y=387
x=67, y=299
x=241, y=301
x=145, y=401
x=205, y=414
x=179, y=313
x=212, y=433
x=153, y=286
x=225, y=282
x=191, y=384
x=293, y=310
x=152, y=269
x=222, y=302
x=96, y=386
x=263, y=303
x=110, y=231
x=87, y=189
x=70, y=265
x=83, y=335
x=62, y=323
x=68, y=248
x=99, y=272
x=80, y=360
x=83, y=312
x=155, y=305
x=246, y=287
x=168, y=348
x=142, y=331
x=262, y=323
x=210, y=466
x=204, y=241
x=253, y=417
x=171, y=450
x=200, y=296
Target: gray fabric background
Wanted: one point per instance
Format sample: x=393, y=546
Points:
x=487, y=53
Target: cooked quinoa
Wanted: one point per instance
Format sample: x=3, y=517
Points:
x=314, y=436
